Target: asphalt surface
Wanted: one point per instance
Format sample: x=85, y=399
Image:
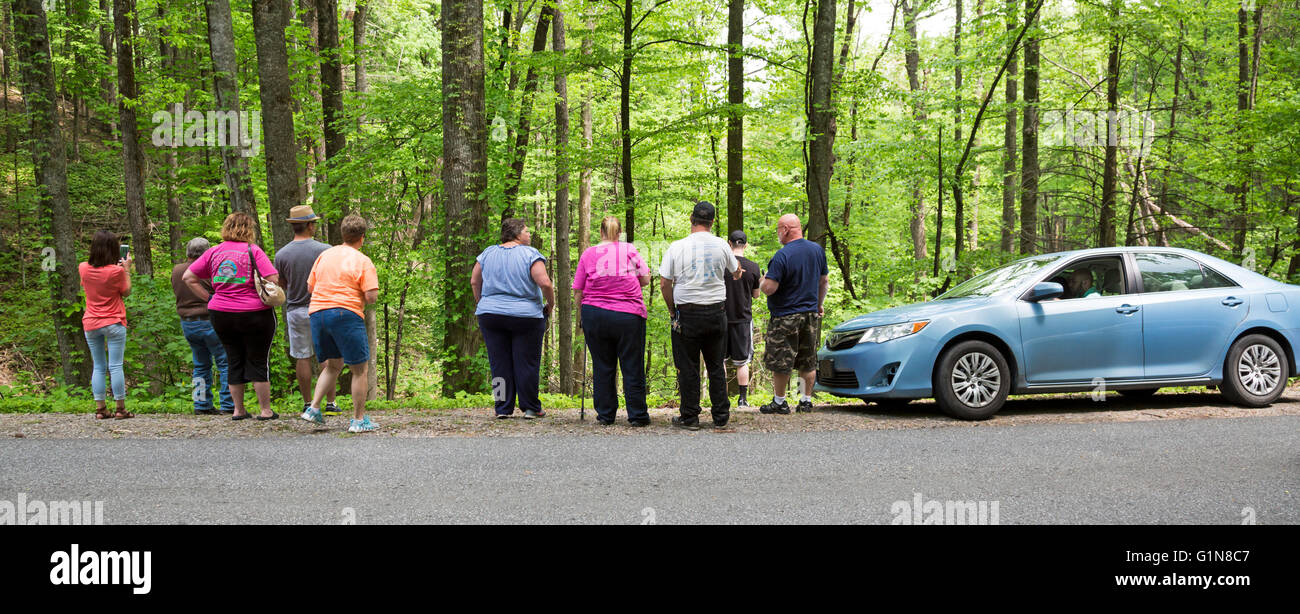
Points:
x=1179, y=471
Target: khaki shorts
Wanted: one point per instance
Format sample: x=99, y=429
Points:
x=792, y=343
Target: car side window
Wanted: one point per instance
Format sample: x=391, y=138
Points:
x=1091, y=278
x=1163, y=272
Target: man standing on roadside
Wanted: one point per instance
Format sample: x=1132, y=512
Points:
x=342, y=282
x=741, y=293
x=205, y=347
x=795, y=286
x=294, y=262
x=691, y=278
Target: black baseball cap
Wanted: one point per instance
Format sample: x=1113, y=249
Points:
x=738, y=237
x=704, y=211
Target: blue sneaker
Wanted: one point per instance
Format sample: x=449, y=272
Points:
x=362, y=426
x=313, y=415
x=332, y=410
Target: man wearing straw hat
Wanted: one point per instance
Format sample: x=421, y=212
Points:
x=294, y=261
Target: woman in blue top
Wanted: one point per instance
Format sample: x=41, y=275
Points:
x=515, y=298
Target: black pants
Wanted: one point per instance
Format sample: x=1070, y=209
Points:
x=701, y=330
x=616, y=339
x=246, y=335
x=514, y=349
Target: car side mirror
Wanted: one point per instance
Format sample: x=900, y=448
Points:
x=1044, y=291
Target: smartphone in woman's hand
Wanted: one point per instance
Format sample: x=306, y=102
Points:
x=125, y=251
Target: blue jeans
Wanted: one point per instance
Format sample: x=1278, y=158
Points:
x=107, y=344
x=207, y=349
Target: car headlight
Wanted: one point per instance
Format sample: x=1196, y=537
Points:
x=881, y=334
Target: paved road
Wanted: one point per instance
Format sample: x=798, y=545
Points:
x=1182, y=471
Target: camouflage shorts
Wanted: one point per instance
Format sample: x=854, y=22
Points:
x=792, y=343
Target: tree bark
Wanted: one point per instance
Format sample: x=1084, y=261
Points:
x=912, y=62
x=584, y=186
x=331, y=93
x=625, y=124
x=1029, y=136
x=958, y=207
x=464, y=178
x=1110, y=170
x=167, y=53
x=269, y=20
x=221, y=41
x=360, y=84
x=735, y=116
x=562, y=216
x=821, y=122
x=526, y=115
x=137, y=212
x=1009, y=177
x=50, y=169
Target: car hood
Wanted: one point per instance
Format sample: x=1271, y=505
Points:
x=908, y=313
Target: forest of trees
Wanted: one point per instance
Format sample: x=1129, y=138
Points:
x=921, y=141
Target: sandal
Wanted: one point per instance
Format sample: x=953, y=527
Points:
x=122, y=414
x=273, y=416
x=101, y=413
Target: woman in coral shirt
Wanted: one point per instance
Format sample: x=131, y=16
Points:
x=106, y=278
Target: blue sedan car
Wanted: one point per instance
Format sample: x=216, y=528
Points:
x=1131, y=319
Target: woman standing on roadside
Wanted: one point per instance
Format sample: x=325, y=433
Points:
x=515, y=297
x=607, y=283
x=243, y=323
x=106, y=278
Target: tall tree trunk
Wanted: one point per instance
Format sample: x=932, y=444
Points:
x=50, y=169
x=821, y=122
x=625, y=123
x=1029, y=136
x=137, y=212
x=958, y=207
x=167, y=53
x=107, y=89
x=269, y=20
x=312, y=169
x=360, y=85
x=735, y=115
x=234, y=165
x=464, y=179
x=1110, y=170
x=1009, y=177
x=912, y=62
x=562, y=216
x=526, y=115
x=331, y=94
x=584, y=185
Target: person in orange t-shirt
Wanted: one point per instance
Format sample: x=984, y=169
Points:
x=106, y=278
x=342, y=282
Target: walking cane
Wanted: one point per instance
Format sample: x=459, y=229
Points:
x=582, y=410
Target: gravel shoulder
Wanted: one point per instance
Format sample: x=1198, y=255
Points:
x=840, y=415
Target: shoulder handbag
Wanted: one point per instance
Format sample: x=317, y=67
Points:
x=271, y=294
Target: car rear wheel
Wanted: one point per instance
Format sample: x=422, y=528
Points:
x=972, y=381
x=1256, y=371
x=1139, y=393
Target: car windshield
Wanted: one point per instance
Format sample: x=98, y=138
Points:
x=1000, y=279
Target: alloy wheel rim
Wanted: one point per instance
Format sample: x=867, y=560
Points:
x=976, y=379
x=1259, y=370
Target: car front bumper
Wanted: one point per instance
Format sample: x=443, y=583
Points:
x=896, y=369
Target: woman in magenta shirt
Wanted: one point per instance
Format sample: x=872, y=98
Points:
x=242, y=322
x=608, y=284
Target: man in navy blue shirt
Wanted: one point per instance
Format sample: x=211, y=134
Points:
x=795, y=286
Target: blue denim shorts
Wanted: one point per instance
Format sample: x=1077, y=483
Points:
x=339, y=333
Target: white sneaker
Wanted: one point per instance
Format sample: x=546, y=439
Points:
x=313, y=415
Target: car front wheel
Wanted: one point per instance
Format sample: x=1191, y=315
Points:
x=1256, y=371
x=972, y=381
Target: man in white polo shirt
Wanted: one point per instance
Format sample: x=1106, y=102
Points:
x=691, y=278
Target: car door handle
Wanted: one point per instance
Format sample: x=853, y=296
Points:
x=1126, y=309
x=1232, y=301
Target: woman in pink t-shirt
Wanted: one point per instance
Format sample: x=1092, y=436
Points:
x=608, y=284
x=243, y=323
x=106, y=278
